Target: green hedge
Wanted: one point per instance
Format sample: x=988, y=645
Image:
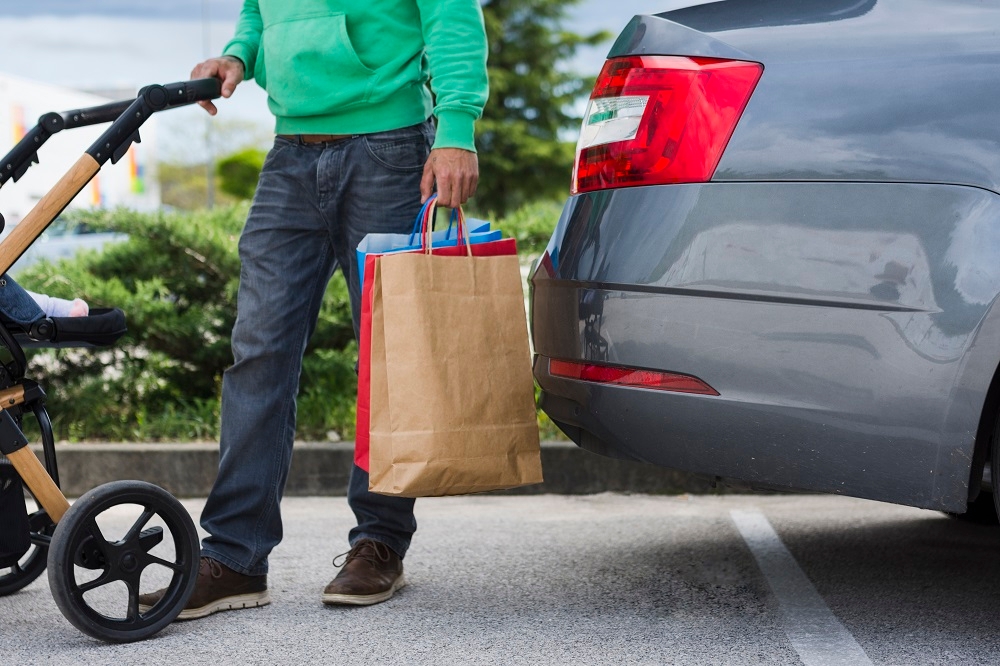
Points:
x=176, y=278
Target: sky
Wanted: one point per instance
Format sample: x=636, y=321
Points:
x=125, y=44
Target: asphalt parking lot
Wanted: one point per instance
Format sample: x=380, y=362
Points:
x=600, y=579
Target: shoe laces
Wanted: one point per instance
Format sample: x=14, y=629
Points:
x=210, y=567
x=368, y=550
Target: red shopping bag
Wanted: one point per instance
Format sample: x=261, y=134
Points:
x=505, y=246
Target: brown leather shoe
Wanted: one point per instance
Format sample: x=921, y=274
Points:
x=372, y=573
x=217, y=588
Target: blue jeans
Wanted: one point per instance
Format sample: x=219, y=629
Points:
x=314, y=203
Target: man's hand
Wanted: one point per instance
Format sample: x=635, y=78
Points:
x=456, y=173
x=227, y=69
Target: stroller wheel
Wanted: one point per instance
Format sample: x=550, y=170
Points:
x=31, y=566
x=118, y=541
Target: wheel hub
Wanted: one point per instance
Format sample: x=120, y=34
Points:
x=128, y=563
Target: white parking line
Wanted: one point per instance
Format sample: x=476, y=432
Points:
x=814, y=631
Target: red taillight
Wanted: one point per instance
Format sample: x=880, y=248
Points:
x=660, y=119
x=609, y=374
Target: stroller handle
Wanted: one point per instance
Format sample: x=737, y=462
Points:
x=93, y=115
x=181, y=93
x=156, y=98
x=125, y=129
x=112, y=145
x=189, y=92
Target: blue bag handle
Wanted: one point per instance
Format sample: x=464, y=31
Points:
x=418, y=223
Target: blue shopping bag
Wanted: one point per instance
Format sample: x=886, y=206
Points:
x=479, y=232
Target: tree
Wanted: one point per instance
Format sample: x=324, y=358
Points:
x=522, y=154
x=184, y=187
x=238, y=173
x=176, y=277
x=183, y=171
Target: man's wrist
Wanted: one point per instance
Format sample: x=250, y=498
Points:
x=242, y=53
x=236, y=60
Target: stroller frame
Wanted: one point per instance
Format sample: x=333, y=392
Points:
x=70, y=532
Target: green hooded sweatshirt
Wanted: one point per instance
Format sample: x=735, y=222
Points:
x=361, y=66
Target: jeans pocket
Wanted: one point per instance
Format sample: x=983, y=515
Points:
x=404, y=152
x=280, y=145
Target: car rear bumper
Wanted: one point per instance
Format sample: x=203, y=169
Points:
x=847, y=327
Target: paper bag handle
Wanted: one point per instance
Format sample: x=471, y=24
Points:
x=457, y=213
x=422, y=218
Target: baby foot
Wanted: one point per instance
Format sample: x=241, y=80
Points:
x=61, y=307
x=79, y=308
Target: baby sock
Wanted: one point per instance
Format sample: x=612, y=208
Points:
x=61, y=307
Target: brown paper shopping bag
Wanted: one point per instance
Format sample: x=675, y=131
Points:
x=452, y=397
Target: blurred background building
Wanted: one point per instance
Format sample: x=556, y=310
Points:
x=132, y=182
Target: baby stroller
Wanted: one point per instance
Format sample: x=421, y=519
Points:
x=122, y=538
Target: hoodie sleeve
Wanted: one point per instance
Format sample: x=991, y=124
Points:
x=246, y=42
x=456, y=47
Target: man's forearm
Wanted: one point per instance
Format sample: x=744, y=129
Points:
x=245, y=43
x=456, y=47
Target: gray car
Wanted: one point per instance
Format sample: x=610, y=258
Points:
x=781, y=260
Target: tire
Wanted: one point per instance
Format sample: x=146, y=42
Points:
x=995, y=466
x=25, y=571
x=981, y=511
x=985, y=509
x=79, y=544
x=33, y=563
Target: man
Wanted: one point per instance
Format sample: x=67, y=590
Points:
x=355, y=153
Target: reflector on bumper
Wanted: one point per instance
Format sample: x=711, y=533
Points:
x=609, y=374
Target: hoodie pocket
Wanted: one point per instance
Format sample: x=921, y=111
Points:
x=311, y=67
